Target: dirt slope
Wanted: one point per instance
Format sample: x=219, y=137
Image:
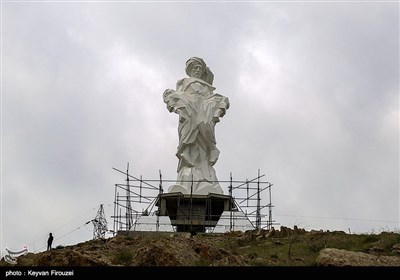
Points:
x=284, y=247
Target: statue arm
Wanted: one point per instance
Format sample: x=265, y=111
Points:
x=223, y=105
x=171, y=97
x=169, y=100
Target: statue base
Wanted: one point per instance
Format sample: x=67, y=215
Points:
x=193, y=213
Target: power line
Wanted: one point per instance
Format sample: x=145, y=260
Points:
x=70, y=231
x=44, y=236
x=346, y=219
x=66, y=234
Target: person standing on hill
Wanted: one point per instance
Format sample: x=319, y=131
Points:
x=49, y=241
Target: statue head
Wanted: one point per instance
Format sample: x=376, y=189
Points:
x=197, y=68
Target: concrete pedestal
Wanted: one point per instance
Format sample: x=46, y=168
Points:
x=193, y=213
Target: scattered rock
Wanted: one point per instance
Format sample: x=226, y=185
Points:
x=230, y=260
x=375, y=249
x=337, y=257
x=68, y=258
x=339, y=232
x=156, y=255
x=396, y=249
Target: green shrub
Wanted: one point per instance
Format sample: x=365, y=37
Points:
x=123, y=257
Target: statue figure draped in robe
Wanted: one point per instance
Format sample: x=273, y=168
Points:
x=199, y=109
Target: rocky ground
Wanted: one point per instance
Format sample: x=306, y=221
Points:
x=284, y=247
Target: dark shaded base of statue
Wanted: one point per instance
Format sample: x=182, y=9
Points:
x=193, y=213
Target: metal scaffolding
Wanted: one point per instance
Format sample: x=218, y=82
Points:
x=133, y=188
x=142, y=199
x=249, y=201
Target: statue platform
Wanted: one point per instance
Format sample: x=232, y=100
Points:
x=193, y=213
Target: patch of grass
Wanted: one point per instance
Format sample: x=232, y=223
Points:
x=229, y=244
x=123, y=257
x=370, y=238
x=274, y=255
x=202, y=262
x=302, y=250
x=317, y=243
x=340, y=241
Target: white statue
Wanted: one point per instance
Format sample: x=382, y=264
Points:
x=199, y=109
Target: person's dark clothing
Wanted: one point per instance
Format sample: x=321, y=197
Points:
x=49, y=241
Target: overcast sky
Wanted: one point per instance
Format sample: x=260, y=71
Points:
x=313, y=87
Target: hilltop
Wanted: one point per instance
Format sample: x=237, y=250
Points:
x=284, y=247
